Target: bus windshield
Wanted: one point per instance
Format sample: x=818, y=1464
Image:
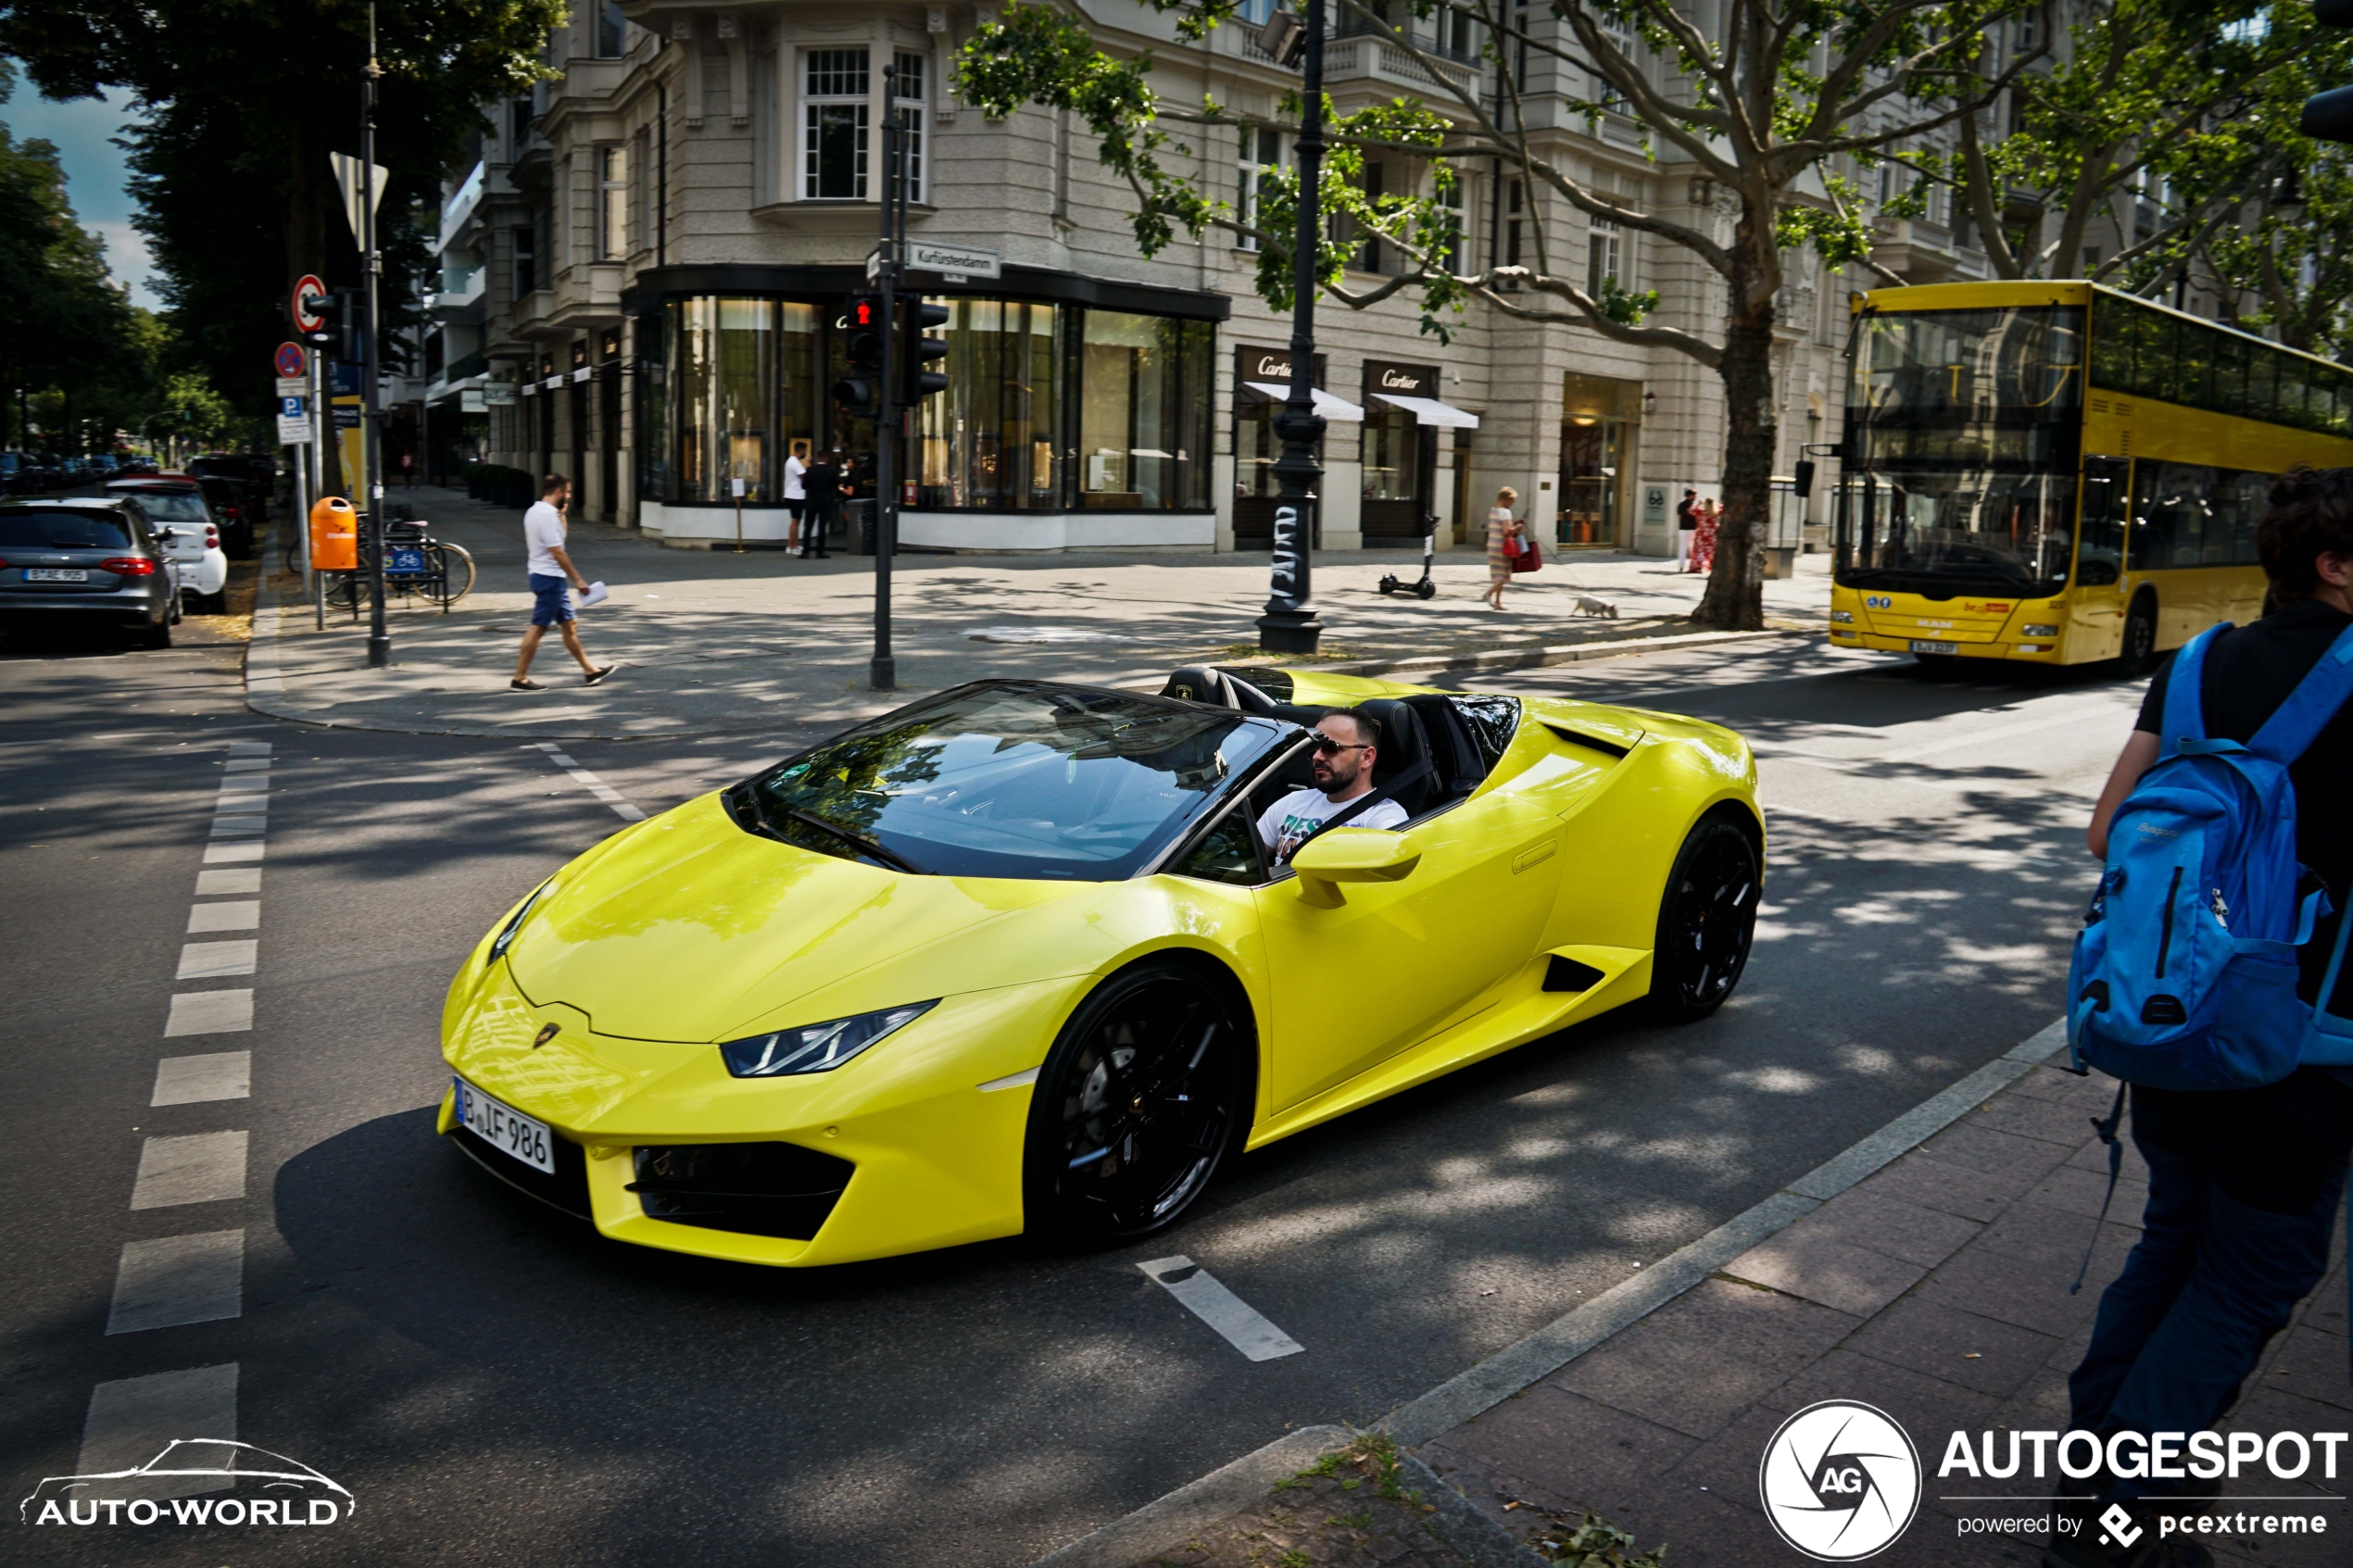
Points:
x=1961, y=438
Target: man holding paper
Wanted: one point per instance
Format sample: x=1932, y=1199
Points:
x=549, y=568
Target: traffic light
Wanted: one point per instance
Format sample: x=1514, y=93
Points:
x=865, y=347
x=2328, y=117
x=918, y=349
x=327, y=336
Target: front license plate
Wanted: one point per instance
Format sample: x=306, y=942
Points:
x=54, y=574
x=509, y=1130
x=1936, y=647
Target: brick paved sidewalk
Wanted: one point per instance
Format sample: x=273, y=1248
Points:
x=1936, y=1290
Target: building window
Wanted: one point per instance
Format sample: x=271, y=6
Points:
x=1262, y=163
x=1143, y=412
x=993, y=439
x=612, y=203
x=1376, y=186
x=906, y=100
x=1604, y=257
x=743, y=379
x=640, y=145
x=613, y=31
x=526, y=240
x=1452, y=200
x=1511, y=225
x=834, y=117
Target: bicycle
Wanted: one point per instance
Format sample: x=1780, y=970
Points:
x=417, y=567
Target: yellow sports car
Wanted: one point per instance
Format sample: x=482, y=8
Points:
x=1015, y=957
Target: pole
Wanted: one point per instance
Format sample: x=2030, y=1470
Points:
x=371, y=417
x=1289, y=624
x=319, y=426
x=882, y=673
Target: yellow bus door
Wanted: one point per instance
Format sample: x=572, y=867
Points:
x=2096, y=601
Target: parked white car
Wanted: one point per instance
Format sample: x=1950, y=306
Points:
x=176, y=508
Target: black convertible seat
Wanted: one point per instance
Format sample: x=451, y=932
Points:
x=1460, y=766
x=1403, y=766
x=1197, y=683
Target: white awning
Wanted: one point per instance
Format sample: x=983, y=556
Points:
x=1330, y=407
x=1430, y=411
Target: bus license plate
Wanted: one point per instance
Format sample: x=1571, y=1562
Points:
x=505, y=1128
x=1936, y=647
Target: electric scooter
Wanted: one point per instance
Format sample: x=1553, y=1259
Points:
x=1425, y=589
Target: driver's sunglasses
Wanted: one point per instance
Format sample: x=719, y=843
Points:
x=1324, y=745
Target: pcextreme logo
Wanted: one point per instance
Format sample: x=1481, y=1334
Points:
x=278, y=1492
x=1840, y=1481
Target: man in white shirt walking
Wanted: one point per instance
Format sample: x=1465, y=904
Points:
x=1347, y=740
x=795, y=493
x=549, y=568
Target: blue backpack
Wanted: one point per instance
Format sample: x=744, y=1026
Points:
x=2184, y=974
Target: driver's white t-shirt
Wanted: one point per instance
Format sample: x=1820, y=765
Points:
x=1292, y=818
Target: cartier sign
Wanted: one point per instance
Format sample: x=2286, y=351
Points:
x=1268, y=364
x=1401, y=381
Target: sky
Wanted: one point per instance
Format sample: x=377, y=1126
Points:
x=97, y=175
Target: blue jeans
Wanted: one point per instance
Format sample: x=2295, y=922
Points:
x=2243, y=1188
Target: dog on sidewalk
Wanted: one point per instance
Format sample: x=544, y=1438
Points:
x=1588, y=604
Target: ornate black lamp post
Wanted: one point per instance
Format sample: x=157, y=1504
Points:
x=1289, y=624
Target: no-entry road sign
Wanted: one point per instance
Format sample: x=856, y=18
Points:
x=307, y=287
x=288, y=359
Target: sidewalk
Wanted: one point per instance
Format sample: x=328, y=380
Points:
x=1934, y=1288
x=715, y=642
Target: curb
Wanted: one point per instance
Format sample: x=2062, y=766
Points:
x=1545, y=1352
x=1533, y=659
x=1166, y=1523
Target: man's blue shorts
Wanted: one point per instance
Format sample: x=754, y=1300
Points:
x=550, y=600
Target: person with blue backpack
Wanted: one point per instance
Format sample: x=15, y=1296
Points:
x=2210, y=978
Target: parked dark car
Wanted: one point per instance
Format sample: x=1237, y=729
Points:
x=232, y=506
x=84, y=558
x=18, y=473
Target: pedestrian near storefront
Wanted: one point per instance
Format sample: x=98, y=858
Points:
x=2245, y=1182
x=1707, y=520
x=822, y=485
x=796, y=492
x=1504, y=534
x=1686, y=520
x=548, y=569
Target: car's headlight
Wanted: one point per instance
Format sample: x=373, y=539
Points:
x=1841, y=615
x=2041, y=631
x=816, y=1047
x=505, y=937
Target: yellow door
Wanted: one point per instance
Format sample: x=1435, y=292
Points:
x=2096, y=609
x=1393, y=962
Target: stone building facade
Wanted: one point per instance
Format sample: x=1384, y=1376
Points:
x=644, y=272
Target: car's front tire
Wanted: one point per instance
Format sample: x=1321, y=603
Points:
x=1138, y=1103
x=1706, y=921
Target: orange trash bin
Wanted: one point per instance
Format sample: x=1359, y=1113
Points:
x=335, y=535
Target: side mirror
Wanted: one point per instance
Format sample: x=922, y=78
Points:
x=1352, y=855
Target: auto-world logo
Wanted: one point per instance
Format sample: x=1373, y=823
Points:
x=272, y=1490
x=1840, y=1481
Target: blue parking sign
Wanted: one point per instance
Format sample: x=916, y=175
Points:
x=290, y=407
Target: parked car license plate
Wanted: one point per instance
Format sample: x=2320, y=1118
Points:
x=56, y=574
x=1936, y=647
x=503, y=1127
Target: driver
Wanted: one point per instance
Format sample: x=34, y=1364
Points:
x=1347, y=739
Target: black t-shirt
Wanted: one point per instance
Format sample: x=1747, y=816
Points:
x=1683, y=518
x=2249, y=671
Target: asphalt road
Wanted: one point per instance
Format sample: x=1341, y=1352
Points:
x=494, y=1383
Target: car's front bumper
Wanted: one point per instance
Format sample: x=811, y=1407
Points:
x=936, y=1158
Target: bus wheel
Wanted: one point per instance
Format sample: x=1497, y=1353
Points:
x=2140, y=638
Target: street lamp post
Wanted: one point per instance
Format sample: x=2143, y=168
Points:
x=1289, y=624
x=370, y=431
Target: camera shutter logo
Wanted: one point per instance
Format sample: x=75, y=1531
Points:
x=1840, y=1481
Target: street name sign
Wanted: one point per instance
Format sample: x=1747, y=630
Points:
x=964, y=261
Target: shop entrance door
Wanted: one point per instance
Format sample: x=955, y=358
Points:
x=1593, y=457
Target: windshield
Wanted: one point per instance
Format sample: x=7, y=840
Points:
x=1961, y=440
x=169, y=506
x=1010, y=779
x=62, y=530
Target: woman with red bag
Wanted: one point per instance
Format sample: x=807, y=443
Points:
x=1504, y=542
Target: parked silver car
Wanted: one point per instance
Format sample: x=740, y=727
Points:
x=83, y=557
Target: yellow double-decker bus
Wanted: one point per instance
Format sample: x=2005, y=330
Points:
x=2056, y=472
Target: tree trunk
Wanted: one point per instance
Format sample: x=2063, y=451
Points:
x=1735, y=597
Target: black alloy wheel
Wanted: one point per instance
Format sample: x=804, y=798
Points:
x=1135, y=1108
x=2139, y=655
x=1706, y=921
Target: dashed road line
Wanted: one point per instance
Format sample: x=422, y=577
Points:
x=191, y=1168
x=237, y=914
x=1244, y=1325
x=204, y=961
x=209, y=1012
x=591, y=782
x=119, y=1432
x=178, y=1280
x=193, y=1080
x=241, y=879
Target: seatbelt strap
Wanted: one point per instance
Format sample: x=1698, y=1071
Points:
x=2106, y=1129
x=1414, y=775
x=2297, y=722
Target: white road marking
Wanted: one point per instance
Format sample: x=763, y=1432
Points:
x=194, y=1080
x=223, y=854
x=239, y=827
x=238, y=914
x=242, y=880
x=198, y=1168
x=594, y=785
x=210, y=1013
x=130, y=1421
x=1241, y=1323
x=247, y=765
x=1011, y=1081
x=248, y=748
x=246, y=784
x=179, y=1279
x=202, y=960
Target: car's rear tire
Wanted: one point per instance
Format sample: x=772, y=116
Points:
x=1706, y=921
x=153, y=635
x=1138, y=1105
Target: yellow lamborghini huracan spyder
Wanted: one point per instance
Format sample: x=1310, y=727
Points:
x=1013, y=956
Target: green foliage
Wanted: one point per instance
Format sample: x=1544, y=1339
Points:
x=1596, y=1543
